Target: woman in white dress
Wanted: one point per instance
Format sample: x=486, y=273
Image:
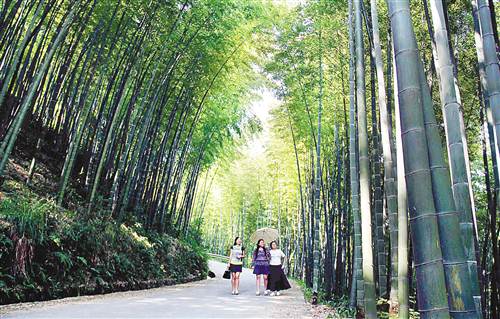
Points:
x=277, y=280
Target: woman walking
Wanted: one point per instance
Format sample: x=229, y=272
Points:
x=236, y=264
x=260, y=265
x=277, y=280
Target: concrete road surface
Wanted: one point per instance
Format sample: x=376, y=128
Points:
x=209, y=298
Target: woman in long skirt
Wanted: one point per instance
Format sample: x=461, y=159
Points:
x=277, y=280
x=260, y=265
x=236, y=264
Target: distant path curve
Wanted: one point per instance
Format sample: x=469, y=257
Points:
x=209, y=298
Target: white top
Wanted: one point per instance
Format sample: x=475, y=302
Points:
x=276, y=255
x=236, y=255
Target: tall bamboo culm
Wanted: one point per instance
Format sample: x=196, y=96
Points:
x=357, y=276
x=457, y=145
x=364, y=171
x=458, y=281
x=491, y=65
x=402, y=270
x=431, y=287
x=317, y=180
x=386, y=135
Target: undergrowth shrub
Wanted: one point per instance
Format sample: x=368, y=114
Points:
x=341, y=305
x=48, y=253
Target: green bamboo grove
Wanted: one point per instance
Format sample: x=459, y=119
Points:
x=128, y=93
x=366, y=132
x=407, y=160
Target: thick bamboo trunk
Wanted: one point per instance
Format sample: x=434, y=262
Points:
x=458, y=280
x=370, y=310
x=491, y=66
x=402, y=262
x=457, y=146
x=317, y=183
x=431, y=287
x=357, y=275
x=386, y=137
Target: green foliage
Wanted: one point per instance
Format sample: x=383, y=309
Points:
x=340, y=306
x=225, y=52
x=68, y=256
x=28, y=217
x=194, y=236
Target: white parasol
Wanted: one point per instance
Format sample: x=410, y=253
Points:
x=266, y=233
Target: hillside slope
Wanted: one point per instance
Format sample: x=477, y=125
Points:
x=49, y=252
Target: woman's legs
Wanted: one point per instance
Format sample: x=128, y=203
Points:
x=237, y=281
x=257, y=283
x=233, y=281
x=265, y=281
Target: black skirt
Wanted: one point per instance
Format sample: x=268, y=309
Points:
x=277, y=280
x=235, y=268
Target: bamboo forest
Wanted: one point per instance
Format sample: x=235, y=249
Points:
x=138, y=138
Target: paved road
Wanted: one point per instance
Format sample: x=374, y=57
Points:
x=209, y=298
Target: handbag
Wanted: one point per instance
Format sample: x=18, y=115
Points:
x=227, y=275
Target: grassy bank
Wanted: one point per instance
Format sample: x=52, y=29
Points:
x=47, y=252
